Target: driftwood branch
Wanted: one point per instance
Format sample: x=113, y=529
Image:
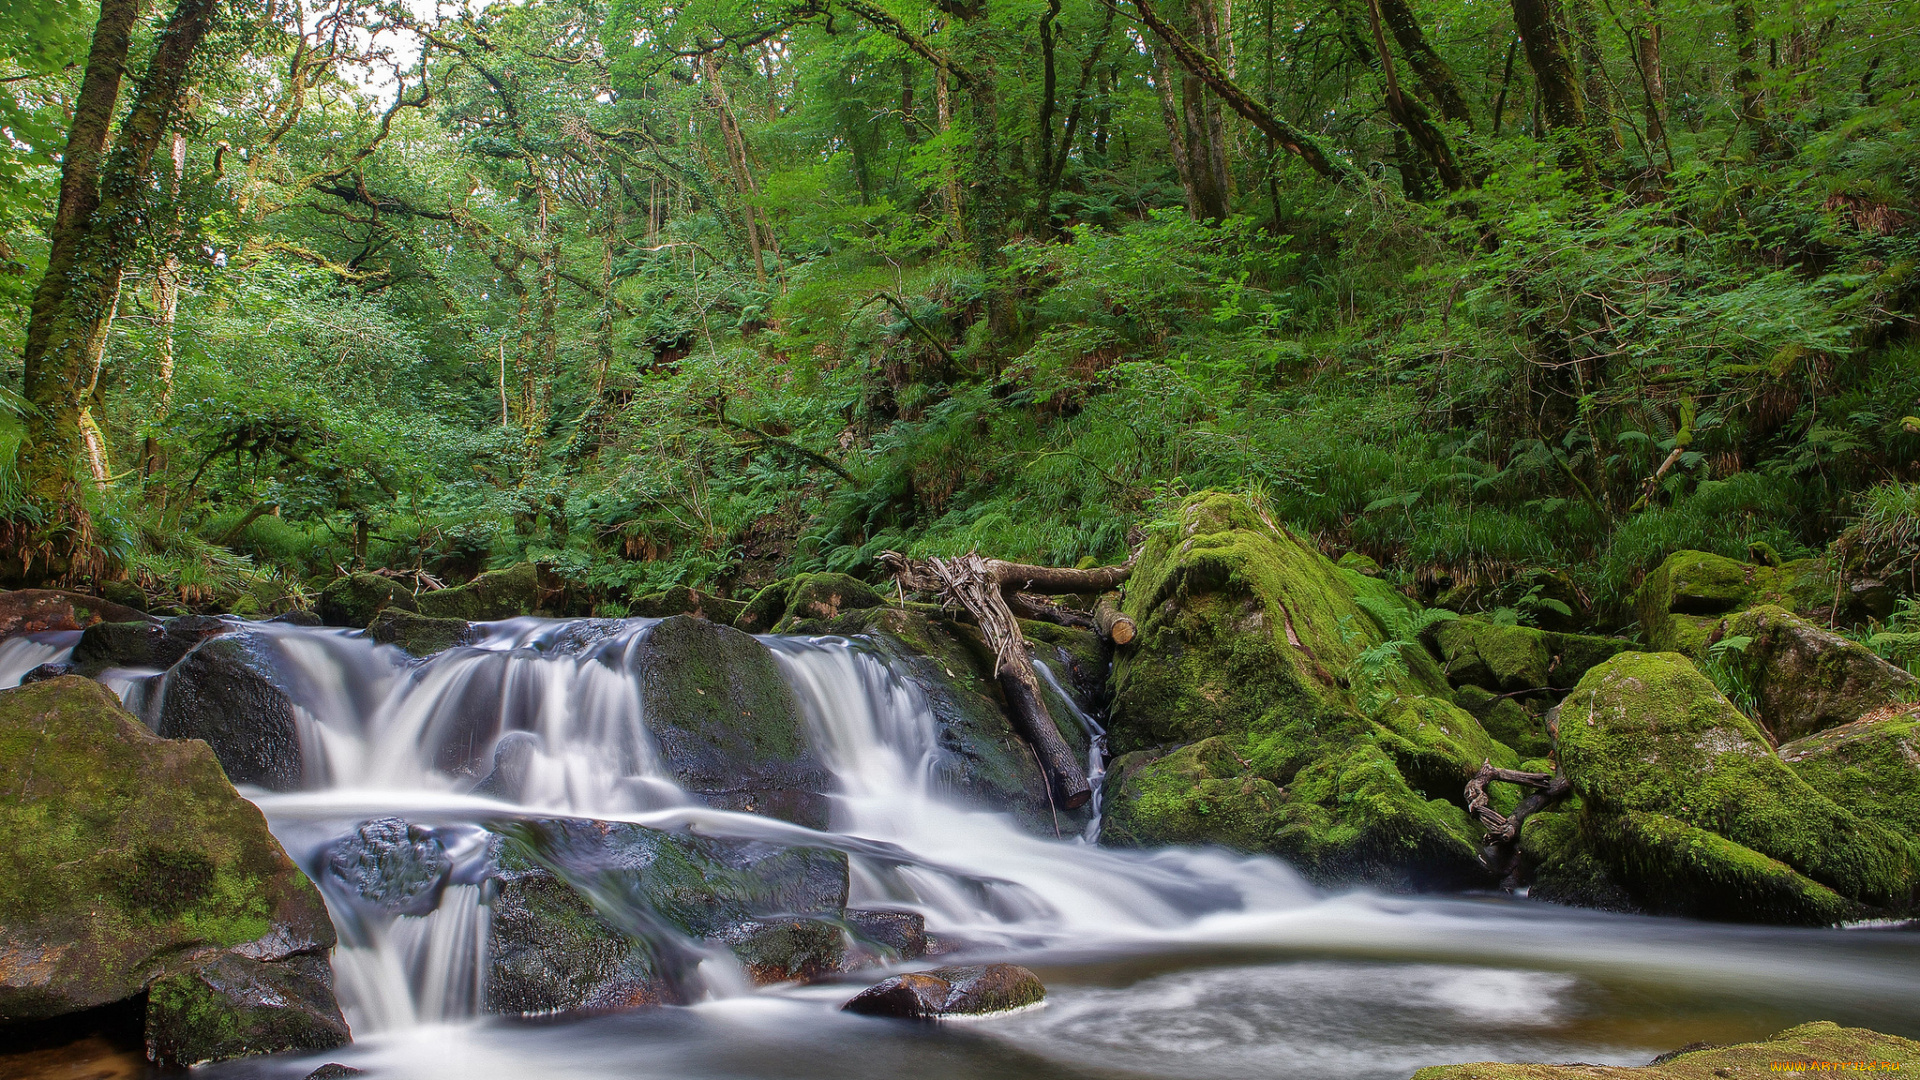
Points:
x=1502, y=850
x=991, y=591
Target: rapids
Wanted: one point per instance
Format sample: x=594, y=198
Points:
x=1167, y=963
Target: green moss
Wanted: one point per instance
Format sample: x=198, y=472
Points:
x=1871, y=767
x=1647, y=734
x=231, y=1007
x=1697, y=583
x=1805, y=678
x=419, y=635
x=1196, y=795
x=1506, y=720
x=497, y=594
x=353, y=600
x=1501, y=658
x=681, y=600
x=1821, y=1041
x=1673, y=868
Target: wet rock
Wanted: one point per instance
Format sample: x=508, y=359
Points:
x=681, y=600
x=727, y=725
x=891, y=935
x=1806, y=679
x=227, y=693
x=787, y=950
x=354, y=599
x=1250, y=637
x=333, y=1070
x=1871, y=766
x=785, y=606
x=232, y=1006
x=134, y=867
x=299, y=617
x=513, y=757
x=526, y=589
x=391, y=865
x=950, y=991
x=48, y=671
x=417, y=634
x=1684, y=803
x=1821, y=1043
x=144, y=644
x=1679, y=599
x=35, y=611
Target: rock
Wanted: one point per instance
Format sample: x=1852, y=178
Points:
x=681, y=600
x=419, y=635
x=1685, y=804
x=1805, y=679
x=513, y=757
x=603, y=915
x=144, y=644
x=299, y=617
x=891, y=935
x=728, y=726
x=36, y=611
x=232, y=1006
x=1677, y=598
x=354, y=599
x=48, y=671
x=391, y=865
x=1359, y=564
x=1248, y=654
x=227, y=693
x=804, y=598
x=1509, y=659
x=950, y=991
x=1822, y=1043
x=333, y=1070
x=133, y=867
x=1871, y=766
x=1506, y=720
x=525, y=589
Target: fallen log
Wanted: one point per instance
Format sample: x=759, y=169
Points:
x=989, y=590
x=1112, y=623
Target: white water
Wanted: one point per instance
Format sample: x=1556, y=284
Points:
x=23, y=653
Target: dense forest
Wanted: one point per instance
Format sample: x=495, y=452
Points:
x=1514, y=300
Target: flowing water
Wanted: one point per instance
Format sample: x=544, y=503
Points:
x=1169, y=963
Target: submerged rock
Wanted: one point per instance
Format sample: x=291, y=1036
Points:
x=1804, y=678
x=1822, y=1046
x=132, y=866
x=891, y=935
x=950, y=991
x=226, y=693
x=144, y=644
x=391, y=865
x=728, y=726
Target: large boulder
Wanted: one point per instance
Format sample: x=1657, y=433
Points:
x=1685, y=807
x=156, y=645
x=1680, y=600
x=37, y=611
x=417, y=634
x=227, y=693
x=950, y=991
x=601, y=915
x=727, y=724
x=1871, y=766
x=1315, y=726
x=526, y=589
x=133, y=867
x=802, y=603
x=1517, y=659
x=682, y=600
x=354, y=599
x=1803, y=678
x=1822, y=1046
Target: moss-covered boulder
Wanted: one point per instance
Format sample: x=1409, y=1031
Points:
x=1677, y=601
x=526, y=589
x=950, y=991
x=1804, y=678
x=803, y=602
x=1288, y=670
x=1819, y=1047
x=1506, y=720
x=37, y=611
x=1516, y=659
x=132, y=866
x=602, y=915
x=1871, y=766
x=1684, y=800
x=417, y=634
x=228, y=693
x=681, y=600
x=354, y=599
x=727, y=724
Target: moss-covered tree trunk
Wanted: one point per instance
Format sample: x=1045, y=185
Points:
x=93, y=236
x=1562, y=105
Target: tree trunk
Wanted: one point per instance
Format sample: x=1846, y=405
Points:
x=1435, y=75
x=1599, y=95
x=1753, y=107
x=1176, y=133
x=166, y=305
x=950, y=179
x=1653, y=81
x=736, y=146
x=1562, y=105
x=94, y=233
x=1411, y=115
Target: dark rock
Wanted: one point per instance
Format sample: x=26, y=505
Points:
x=333, y=1070
x=787, y=950
x=126, y=594
x=353, y=600
x=898, y=935
x=728, y=726
x=1805, y=679
x=681, y=600
x=144, y=644
x=48, y=671
x=231, y=1006
x=132, y=866
x=417, y=634
x=226, y=693
x=392, y=865
x=301, y=617
x=513, y=756
x=35, y=611
x=951, y=991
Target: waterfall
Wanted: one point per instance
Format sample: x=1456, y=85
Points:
x=21, y=654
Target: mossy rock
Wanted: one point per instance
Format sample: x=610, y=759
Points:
x=1359, y=564
x=1506, y=720
x=1248, y=637
x=354, y=599
x=1806, y=679
x=1692, y=584
x=1871, y=767
x=982, y=760
x=1510, y=659
x=419, y=635
x=1672, y=868
x=787, y=950
x=233, y=1006
x=1821, y=1043
x=1651, y=746
x=1561, y=866
x=526, y=589
x=228, y=693
x=727, y=724
x=800, y=604
x=131, y=860
x=1078, y=659
x=681, y=600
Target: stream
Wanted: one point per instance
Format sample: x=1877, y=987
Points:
x=1167, y=963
